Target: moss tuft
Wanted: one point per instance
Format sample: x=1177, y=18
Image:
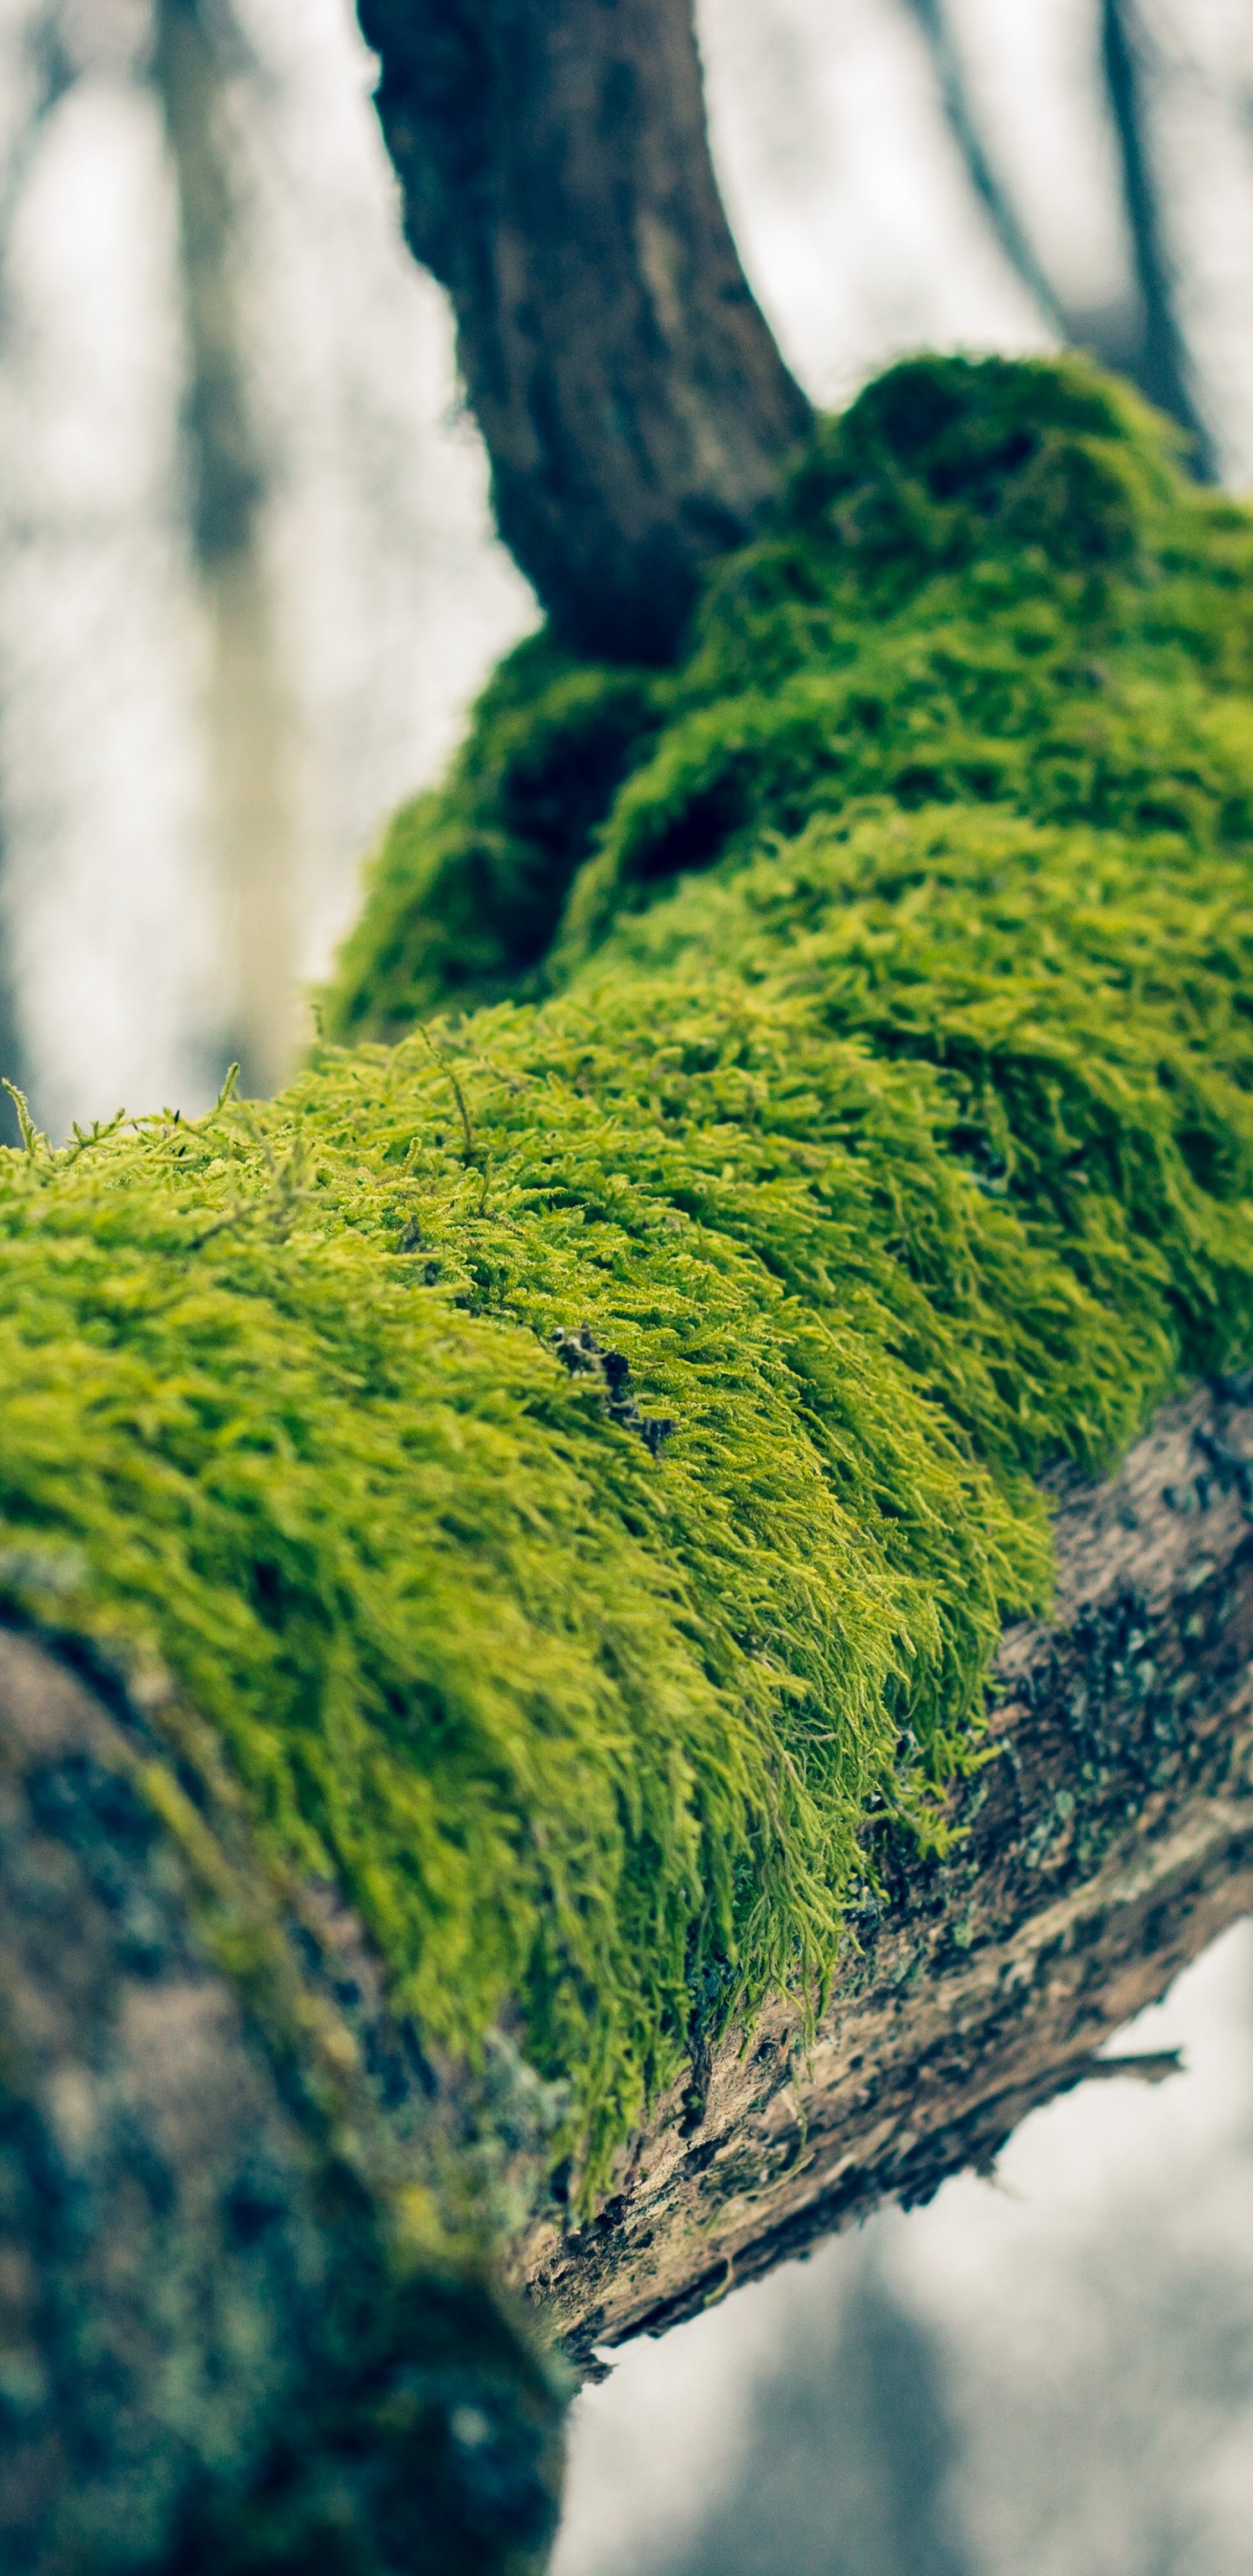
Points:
x=886, y=1129
x=468, y=885
x=986, y=584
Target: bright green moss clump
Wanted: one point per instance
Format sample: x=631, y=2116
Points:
x=988, y=585
x=905, y=1149
x=467, y=891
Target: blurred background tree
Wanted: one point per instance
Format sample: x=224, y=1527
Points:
x=199, y=64
x=248, y=577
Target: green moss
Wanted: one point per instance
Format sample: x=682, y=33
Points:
x=888, y=1113
x=987, y=584
x=468, y=885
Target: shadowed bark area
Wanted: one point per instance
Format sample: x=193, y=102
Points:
x=1106, y=1842
x=213, y=2356
x=557, y=180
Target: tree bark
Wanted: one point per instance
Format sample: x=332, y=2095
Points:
x=556, y=178
x=213, y=2361
x=1106, y=1842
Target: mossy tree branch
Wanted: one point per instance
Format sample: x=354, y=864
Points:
x=203, y=2207
x=868, y=1108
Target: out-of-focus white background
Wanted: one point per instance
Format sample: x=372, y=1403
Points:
x=1049, y=2375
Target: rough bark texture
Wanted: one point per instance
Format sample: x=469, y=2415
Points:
x=210, y=2358
x=557, y=180
x=1108, y=1839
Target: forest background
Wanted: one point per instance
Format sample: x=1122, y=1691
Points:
x=210, y=694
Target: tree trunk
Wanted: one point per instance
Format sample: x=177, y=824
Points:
x=556, y=177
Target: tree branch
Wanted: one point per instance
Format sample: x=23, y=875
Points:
x=164, y=2138
x=1107, y=1841
x=1146, y=343
x=1011, y=233
x=557, y=179
x=1163, y=372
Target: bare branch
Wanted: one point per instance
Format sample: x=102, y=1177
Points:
x=199, y=53
x=557, y=180
x=1007, y=224
x=1147, y=343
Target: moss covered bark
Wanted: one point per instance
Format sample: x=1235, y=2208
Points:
x=578, y=1460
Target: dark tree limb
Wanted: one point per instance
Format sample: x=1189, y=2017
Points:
x=1163, y=372
x=1107, y=1841
x=556, y=178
